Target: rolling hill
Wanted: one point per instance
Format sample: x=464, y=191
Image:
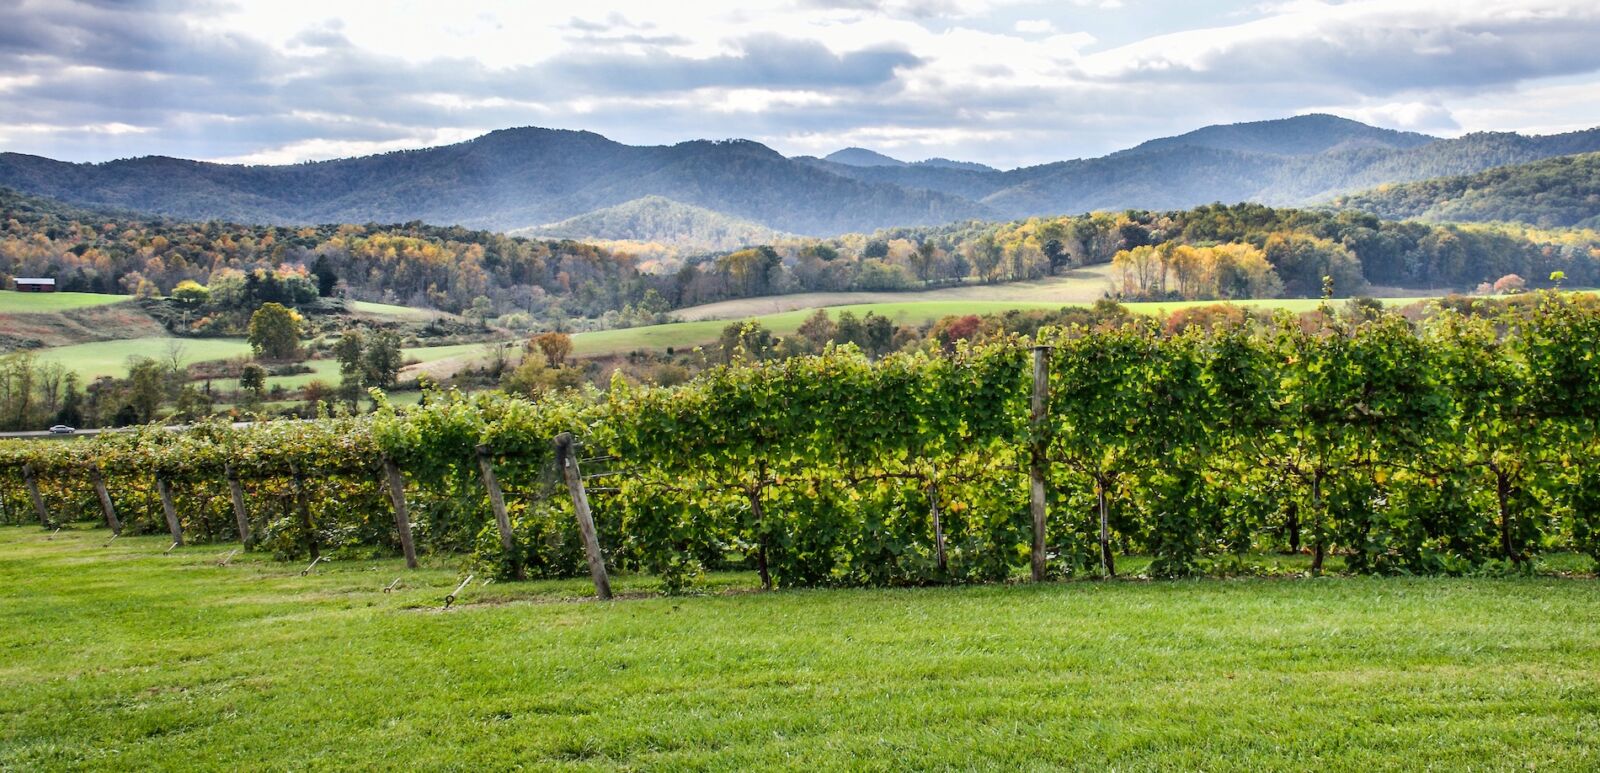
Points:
x=529, y=177
x=1556, y=192
x=658, y=219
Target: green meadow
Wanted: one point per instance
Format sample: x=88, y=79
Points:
x=118, y=657
x=13, y=302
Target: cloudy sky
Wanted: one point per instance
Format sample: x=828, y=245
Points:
x=1005, y=82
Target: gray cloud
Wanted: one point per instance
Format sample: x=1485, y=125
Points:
x=221, y=95
x=1378, y=56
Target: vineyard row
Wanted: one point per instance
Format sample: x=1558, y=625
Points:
x=1442, y=446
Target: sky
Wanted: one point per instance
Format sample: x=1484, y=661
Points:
x=1003, y=82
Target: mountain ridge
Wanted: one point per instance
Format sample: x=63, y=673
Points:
x=525, y=177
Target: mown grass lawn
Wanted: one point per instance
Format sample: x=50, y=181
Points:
x=118, y=657
x=13, y=302
x=110, y=358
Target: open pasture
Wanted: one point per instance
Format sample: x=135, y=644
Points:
x=120, y=657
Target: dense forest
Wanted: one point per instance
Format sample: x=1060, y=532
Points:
x=1553, y=193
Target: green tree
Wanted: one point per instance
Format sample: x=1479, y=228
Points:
x=877, y=335
x=327, y=278
x=350, y=350
x=275, y=332
x=746, y=340
x=147, y=387
x=71, y=413
x=817, y=330
x=253, y=379
x=532, y=378
x=383, y=359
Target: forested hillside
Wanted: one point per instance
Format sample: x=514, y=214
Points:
x=1212, y=243
x=655, y=219
x=1216, y=251
x=1557, y=192
x=526, y=178
x=414, y=264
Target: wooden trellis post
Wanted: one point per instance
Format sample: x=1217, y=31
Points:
x=302, y=505
x=170, y=510
x=240, y=514
x=402, y=518
x=33, y=493
x=568, y=462
x=497, y=501
x=938, y=526
x=1036, y=465
x=106, y=506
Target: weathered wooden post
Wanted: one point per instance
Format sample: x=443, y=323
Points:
x=33, y=493
x=497, y=501
x=105, y=499
x=240, y=514
x=1036, y=465
x=1108, y=564
x=302, y=505
x=568, y=462
x=170, y=510
x=938, y=526
x=402, y=517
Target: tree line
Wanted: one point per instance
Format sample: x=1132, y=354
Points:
x=1213, y=252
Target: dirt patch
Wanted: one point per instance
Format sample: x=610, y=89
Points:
x=98, y=323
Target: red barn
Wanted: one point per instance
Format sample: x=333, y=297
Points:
x=35, y=285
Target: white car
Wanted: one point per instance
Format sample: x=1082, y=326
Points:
x=62, y=429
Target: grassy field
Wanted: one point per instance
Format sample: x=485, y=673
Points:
x=396, y=312
x=13, y=302
x=1081, y=285
x=118, y=658
x=110, y=358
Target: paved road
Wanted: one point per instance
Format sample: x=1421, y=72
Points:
x=47, y=435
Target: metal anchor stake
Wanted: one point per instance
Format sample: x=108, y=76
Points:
x=451, y=599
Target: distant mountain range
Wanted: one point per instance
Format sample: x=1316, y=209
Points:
x=586, y=186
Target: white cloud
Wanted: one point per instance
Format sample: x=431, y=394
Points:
x=1000, y=81
x=1426, y=117
x=322, y=149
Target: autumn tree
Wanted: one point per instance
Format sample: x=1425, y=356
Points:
x=555, y=347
